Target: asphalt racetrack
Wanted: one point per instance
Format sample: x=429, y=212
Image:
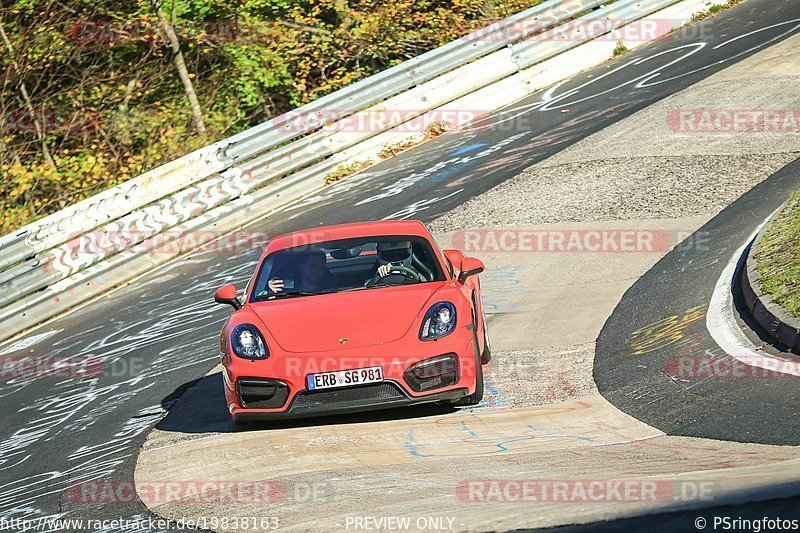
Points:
x=157, y=336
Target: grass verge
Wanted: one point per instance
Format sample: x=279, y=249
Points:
x=714, y=9
x=778, y=257
x=343, y=171
x=432, y=130
x=619, y=50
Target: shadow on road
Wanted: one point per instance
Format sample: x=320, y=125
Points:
x=199, y=407
x=705, y=518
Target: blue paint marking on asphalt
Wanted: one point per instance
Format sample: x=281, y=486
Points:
x=467, y=148
x=496, y=397
x=501, y=289
x=412, y=448
x=500, y=443
x=449, y=171
x=466, y=428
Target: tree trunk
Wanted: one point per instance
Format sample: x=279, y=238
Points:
x=183, y=73
x=122, y=122
x=7, y=151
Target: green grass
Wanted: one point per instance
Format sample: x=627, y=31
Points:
x=391, y=150
x=343, y=171
x=432, y=130
x=778, y=257
x=620, y=49
x=713, y=10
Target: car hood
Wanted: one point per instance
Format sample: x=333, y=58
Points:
x=362, y=318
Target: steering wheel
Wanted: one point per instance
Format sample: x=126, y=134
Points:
x=408, y=273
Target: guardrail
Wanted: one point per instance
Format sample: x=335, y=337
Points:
x=93, y=245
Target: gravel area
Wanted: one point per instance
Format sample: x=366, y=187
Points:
x=654, y=173
x=682, y=174
x=525, y=378
x=616, y=189
x=413, y=465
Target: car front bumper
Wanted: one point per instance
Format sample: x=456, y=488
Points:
x=370, y=397
x=282, y=383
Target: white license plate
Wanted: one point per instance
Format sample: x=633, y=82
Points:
x=344, y=378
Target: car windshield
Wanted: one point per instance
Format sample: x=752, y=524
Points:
x=346, y=265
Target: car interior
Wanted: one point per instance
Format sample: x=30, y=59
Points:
x=349, y=264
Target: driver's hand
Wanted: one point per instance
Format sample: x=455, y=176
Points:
x=275, y=285
x=384, y=270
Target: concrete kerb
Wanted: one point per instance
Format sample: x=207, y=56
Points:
x=774, y=319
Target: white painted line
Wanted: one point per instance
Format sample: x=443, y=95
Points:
x=27, y=342
x=726, y=332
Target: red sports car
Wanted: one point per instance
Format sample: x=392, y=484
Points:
x=353, y=318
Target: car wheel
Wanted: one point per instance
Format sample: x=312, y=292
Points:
x=476, y=397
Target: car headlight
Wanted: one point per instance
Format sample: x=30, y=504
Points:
x=440, y=320
x=246, y=342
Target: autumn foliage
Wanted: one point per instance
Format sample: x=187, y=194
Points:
x=91, y=95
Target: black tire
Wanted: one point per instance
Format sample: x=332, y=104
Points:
x=486, y=356
x=476, y=397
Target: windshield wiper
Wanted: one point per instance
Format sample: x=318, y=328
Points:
x=351, y=289
x=361, y=288
x=287, y=294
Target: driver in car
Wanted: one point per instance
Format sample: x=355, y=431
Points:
x=395, y=259
x=312, y=275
